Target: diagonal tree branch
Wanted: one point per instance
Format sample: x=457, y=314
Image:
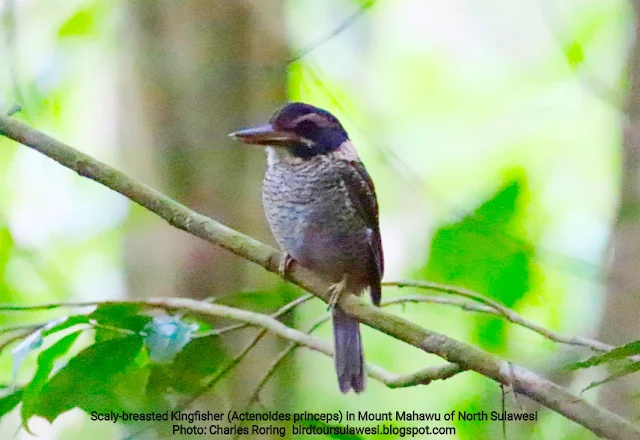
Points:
x=598, y=420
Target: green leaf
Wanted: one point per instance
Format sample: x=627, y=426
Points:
x=34, y=340
x=109, y=375
x=166, y=336
x=485, y=252
x=6, y=246
x=63, y=323
x=617, y=353
x=624, y=371
x=365, y=4
x=46, y=360
x=119, y=316
x=198, y=361
x=7, y=403
x=618, y=358
x=574, y=54
x=584, y=33
x=80, y=24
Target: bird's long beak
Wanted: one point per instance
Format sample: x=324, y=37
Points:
x=266, y=135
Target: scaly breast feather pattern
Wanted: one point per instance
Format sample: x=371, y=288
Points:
x=313, y=219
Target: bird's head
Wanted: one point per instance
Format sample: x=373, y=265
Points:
x=303, y=130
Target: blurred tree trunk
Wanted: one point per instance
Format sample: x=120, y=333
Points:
x=194, y=70
x=621, y=322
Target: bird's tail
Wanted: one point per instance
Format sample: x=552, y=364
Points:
x=348, y=347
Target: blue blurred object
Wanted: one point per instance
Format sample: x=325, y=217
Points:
x=166, y=336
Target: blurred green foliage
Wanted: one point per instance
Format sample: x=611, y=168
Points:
x=483, y=252
x=81, y=24
x=115, y=373
x=33, y=395
x=439, y=106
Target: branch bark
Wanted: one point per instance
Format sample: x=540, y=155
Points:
x=554, y=397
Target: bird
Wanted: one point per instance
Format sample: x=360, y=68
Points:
x=321, y=205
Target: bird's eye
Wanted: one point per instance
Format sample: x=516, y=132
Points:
x=306, y=126
x=308, y=132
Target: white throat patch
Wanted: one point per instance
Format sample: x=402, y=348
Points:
x=346, y=152
x=275, y=155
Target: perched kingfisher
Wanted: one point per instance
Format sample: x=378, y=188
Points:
x=321, y=205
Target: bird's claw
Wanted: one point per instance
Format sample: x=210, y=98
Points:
x=336, y=290
x=285, y=263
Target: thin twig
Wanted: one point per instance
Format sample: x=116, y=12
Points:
x=15, y=108
x=49, y=306
x=444, y=300
x=505, y=312
x=588, y=80
x=334, y=33
x=223, y=372
x=388, y=378
x=487, y=306
x=278, y=313
x=292, y=305
x=31, y=327
x=281, y=356
x=20, y=334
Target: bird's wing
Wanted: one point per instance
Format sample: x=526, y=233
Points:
x=363, y=196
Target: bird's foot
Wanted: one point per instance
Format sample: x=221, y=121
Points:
x=285, y=263
x=336, y=290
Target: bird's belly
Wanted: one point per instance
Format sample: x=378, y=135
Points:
x=320, y=231
x=328, y=250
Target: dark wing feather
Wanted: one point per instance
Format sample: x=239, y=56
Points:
x=363, y=196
